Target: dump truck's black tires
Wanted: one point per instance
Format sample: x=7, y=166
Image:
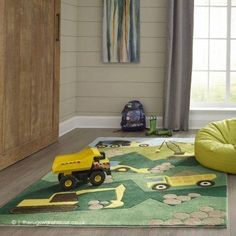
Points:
x=97, y=177
x=68, y=182
x=60, y=176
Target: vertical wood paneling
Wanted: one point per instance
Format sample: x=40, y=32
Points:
x=25, y=73
x=2, y=70
x=12, y=79
x=48, y=67
x=37, y=69
x=29, y=77
x=56, y=81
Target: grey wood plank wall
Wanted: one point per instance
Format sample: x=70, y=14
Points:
x=89, y=87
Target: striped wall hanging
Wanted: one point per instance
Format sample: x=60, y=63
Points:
x=121, y=31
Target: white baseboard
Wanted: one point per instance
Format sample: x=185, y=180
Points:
x=200, y=118
x=197, y=120
x=103, y=122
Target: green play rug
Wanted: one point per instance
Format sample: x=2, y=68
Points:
x=155, y=182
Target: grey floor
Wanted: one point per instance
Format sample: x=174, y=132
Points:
x=16, y=178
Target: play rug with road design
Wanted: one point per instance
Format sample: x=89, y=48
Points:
x=154, y=182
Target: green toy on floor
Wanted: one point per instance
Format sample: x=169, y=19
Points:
x=157, y=132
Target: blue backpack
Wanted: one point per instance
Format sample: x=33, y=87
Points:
x=133, y=117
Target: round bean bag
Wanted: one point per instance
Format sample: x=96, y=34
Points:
x=215, y=146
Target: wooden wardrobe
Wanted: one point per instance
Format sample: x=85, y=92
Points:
x=29, y=77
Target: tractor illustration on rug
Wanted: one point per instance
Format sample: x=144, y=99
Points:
x=164, y=182
x=88, y=165
x=66, y=201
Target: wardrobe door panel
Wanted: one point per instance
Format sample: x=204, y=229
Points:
x=29, y=77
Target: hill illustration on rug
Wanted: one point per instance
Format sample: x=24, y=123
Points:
x=154, y=182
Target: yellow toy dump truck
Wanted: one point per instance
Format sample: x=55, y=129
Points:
x=88, y=165
x=165, y=182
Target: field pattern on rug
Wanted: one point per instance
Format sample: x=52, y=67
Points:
x=155, y=182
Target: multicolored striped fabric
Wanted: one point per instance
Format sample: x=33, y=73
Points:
x=121, y=36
